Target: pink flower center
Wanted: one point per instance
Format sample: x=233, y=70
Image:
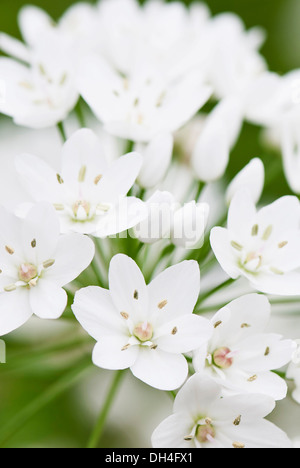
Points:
x=222, y=358
x=143, y=331
x=27, y=272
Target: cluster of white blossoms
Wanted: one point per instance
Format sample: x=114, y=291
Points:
x=139, y=205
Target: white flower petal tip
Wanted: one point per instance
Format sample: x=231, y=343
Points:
x=203, y=417
x=36, y=262
x=145, y=328
x=183, y=225
x=263, y=245
x=88, y=194
x=241, y=356
x=251, y=177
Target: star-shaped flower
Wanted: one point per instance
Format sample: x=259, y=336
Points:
x=144, y=328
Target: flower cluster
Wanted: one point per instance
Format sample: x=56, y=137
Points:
x=137, y=208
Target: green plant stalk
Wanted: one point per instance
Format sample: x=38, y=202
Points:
x=8, y=430
x=98, y=429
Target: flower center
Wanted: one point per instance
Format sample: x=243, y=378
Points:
x=143, y=331
x=222, y=359
x=81, y=209
x=205, y=432
x=27, y=272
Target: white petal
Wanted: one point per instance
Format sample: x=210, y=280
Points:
x=38, y=178
x=220, y=241
x=156, y=160
x=83, y=149
x=95, y=311
x=283, y=215
x=128, y=288
x=189, y=224
x=41, y=225
x=15, y=310
x=249, y=407
x=33, y=23
x=197, y=395
x=251, y=177
x=179, y=286
x=108, y=353
x=241, y=215
x=14, y=48
x=125, y=215
x=191, y=332
x=119, y=178
x=159, y=369
x=73, y=254
x=279, y=285
x=47, y=300
x=172, y=431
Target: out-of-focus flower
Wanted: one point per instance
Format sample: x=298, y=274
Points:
x=88, y=193
x=140, y=106
x=36, y=262
x=167, y=219
x=251, y=177
x=240, y=354
x=293, y=372
x=144, y=328
x=221, y=130
x=157, y=156
x=262, y=246
x=204, y=418
x=235, y=61
x=40, y=85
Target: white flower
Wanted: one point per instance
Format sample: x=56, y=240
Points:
x=40, y=86
x=235, y=60
x=290, y=143
x=203, y=418
x=88, y=194
x=262, y=246
x=157, y=156
x=221, y=130
x=240, y=354
x=293, y=372
x=140, y=106
x=164, y=36
x=251, y=177
x=167, y=219
x=144, y=328
x=36, y=262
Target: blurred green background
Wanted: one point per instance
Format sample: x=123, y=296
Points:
x=65, y=423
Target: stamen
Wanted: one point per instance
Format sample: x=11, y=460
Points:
x=255, y=230
x=267, y=352
x=59, y=179
x=276, y=271
x=125, y=315
x=33, y=243
x=208, y=421
x=136, y=295
x=162, y=304
x=238, y=445
x=10, y=288
x=33, y=282
x=245, y=325
x=136, y=102
x=237, y=421
x=126, y=347
x=42, y=69
x=236, y=246
x=174, y=331
x=9, y=250
x=59, y=207
x=217, y=324
x=63, y=79
x=97, y=179
x=82, y=174
x=188, y=438
x=267, y=233
x=154, y=346
x=48, y=263
x=252, y=379
x=282, y=244
x=103, y=207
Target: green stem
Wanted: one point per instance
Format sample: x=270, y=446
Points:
x=58, y=388
x=61, y=129
x=208, y=294
x=98, y=429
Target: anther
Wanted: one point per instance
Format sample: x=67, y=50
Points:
x=188, y=438
x=162, y=304
x=254, y=231
x=33, y=243
x=253, y=378
x=267, y=233
x=59, y=179
x=267, y=351
x=236, y=246
x=282, y=244
x=238, y=445
x=174, y=331
x=125, y=315
x=126, y=347
x=10, y=288
x=217, y=324
x=9, y=250
x=245, y=325
x=136, y=295
x=48, y=263
x=82, y=174
x=237, y=421
x=97, y=179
